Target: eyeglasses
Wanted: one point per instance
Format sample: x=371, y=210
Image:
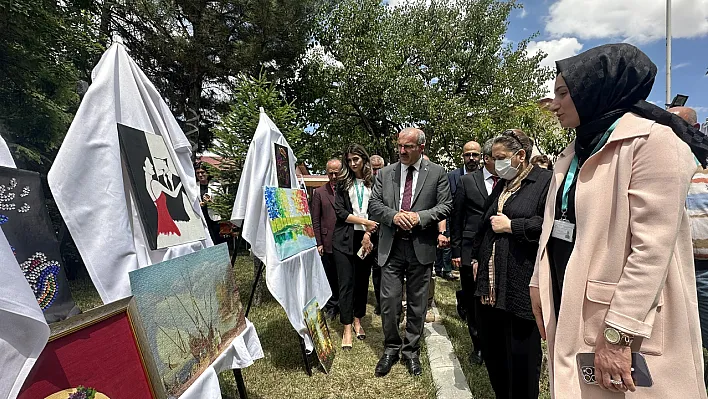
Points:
x=407, y=147
x=471, y=154
x=201, y=173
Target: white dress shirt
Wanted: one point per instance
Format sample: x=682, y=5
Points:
x=404, y=174
x=363, y=211
x=488, y=181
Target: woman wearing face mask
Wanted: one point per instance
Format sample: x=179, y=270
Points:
x=353, y=232
x=614, y=277
x=506, y=244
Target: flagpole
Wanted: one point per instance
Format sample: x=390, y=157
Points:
x=668, y=52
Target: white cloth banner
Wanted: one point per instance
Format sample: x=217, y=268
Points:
x=5, y=155
x=23, y=330
x=244, y=350
x=87, y=178
x=295, y=280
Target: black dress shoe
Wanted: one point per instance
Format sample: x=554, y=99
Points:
x=384, y=365
x=476, y=358
x=413, y=366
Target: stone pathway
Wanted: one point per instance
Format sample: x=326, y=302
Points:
x=444, y=365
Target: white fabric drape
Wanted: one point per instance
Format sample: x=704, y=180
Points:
x=5, y=155
x=295, y=280
x=23, y=330
x=91, y=186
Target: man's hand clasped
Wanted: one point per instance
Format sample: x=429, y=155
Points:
x=406, y=220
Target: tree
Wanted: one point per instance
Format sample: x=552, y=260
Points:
x=41, y=45
x=193, y=49
x=233, y=136
x=443, y=66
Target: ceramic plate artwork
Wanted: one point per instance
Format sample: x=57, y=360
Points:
x=190, y=311
x=290, y=220
x=166, y=212
x=282, y=165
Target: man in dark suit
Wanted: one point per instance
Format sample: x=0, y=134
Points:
x=409, y=198
x=323, y=220
x=472, y=193
x=471, y=156
x=377, y=163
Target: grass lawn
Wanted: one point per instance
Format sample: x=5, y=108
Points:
x=462, y=344
x=281, y=373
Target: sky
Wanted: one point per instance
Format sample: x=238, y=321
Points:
x=568, y=27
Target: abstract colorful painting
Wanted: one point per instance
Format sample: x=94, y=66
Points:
x=190, y=310
x=25, y=221
x=319, y=332
x=282, y=165
x=166, y=212
x=290, y=220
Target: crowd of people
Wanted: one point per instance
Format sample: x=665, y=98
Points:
x=591, y=251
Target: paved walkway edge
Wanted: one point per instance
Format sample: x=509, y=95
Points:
x=444, y=365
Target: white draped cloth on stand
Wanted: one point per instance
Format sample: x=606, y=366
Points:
x=244, y=350
x=295, y=280
x=5, y=156
x=88, y=183
x=23, y=330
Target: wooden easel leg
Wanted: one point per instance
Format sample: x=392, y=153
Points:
x=254, y=287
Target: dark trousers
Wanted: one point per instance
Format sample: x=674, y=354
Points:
x=376, y=278
x=330, y=269
x=443, y=261
x=401, y=263
x=511, y=348
x=468, y=302
x=353, y=273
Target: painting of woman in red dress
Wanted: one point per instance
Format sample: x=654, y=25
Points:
x=158, y=191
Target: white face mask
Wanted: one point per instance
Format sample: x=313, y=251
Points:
x=504, y=168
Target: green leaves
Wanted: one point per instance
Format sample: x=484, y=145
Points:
x=441, y=65
x=233, y=136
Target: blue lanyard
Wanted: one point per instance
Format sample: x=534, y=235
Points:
x=570, y=177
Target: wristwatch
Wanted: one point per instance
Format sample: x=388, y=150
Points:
x=617, y=337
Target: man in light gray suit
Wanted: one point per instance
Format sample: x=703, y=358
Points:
x=409, y=198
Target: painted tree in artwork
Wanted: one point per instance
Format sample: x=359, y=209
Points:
x=282, y=201
x=272, y=204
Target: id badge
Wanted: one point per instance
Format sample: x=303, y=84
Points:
x=563, y=230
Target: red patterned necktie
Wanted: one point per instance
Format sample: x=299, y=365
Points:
x=408, y=190
x=496, y=180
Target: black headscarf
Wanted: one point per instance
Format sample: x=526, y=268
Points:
x=608, y=81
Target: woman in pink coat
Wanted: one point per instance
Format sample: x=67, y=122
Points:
x=614, y=272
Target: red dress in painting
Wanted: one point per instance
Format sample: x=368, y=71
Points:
x=165, y=224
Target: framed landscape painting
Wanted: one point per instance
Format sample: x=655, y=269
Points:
x=24, y=220
x=103, y=349
x=166, y=212
x=290, y=221
x=191, y=312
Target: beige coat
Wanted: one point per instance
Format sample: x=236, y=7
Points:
x=632, y=266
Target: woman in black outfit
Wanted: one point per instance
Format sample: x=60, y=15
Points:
x=352, y=233
x=506, y=244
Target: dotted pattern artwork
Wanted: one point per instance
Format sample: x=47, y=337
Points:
x=8, y=195
x=42, y=274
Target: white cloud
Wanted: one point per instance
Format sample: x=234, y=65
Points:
x=700, y=110
x=523, y=13
x=637, y=21
x=555, y=50
x=681, y=65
